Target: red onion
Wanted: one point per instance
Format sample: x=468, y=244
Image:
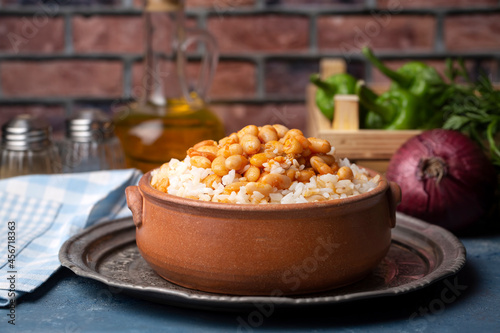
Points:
x=445, y=179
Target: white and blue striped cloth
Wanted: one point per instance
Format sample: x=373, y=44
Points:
x=44, y=211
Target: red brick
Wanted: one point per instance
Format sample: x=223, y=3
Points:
x=117, y=34
x=350, y=33
x=219, y=4
x=472, y=32
x=233, y=79
x=236, y=116
x=270, y=33
x=108, y=34
x=49, y=5
x=404, y=4
x=54, y=114
x=30, y=34
x=321, y=3
x=61, y=78
x=288, y=78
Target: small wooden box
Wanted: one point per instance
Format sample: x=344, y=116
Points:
x=369, y=148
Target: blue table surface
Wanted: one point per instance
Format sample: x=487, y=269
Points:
x=466, y=302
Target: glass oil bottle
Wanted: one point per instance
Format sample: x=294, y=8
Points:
x=171, y=115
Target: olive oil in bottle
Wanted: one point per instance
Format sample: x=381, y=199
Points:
x=171, y=116
x=149, y=140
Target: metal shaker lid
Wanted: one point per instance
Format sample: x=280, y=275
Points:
x=26, y=132
x=89, y=125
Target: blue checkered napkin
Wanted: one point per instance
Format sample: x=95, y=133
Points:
x=29, y=217
x=47, y=210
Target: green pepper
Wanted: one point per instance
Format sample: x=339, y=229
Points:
x=421, y=80
x=372, y=120
x=367, y=118
x=396, y=108
x=341, y=83
x=414, y=76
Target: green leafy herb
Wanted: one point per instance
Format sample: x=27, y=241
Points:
x=473, y=108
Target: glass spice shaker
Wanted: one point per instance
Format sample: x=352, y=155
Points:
x=27, y=147
x=90, y=143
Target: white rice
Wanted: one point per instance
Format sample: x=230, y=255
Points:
x=186, y=181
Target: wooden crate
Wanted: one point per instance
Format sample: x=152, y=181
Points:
x=369, y=148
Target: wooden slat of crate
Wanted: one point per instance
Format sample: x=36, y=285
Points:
x=367, y=144
x=317, y=122
x=377, y=165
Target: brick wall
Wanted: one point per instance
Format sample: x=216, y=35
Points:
x=58, y=56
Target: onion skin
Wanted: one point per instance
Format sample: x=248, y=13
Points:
x=445, y=179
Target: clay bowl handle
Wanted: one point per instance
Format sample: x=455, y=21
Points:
x=134, y=203
x=394, y=197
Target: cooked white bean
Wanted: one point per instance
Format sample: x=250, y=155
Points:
x=250, y=144
x=236, y=162
x=320, y=166
x=264, y=189
x=319, y=145
x=219, y=166
x=252, y=174
x=345, y=173
x=292, y=146
x=280, y=130
x=277, y=180
x=268, y=133
x=200, y=162
x=250, y=129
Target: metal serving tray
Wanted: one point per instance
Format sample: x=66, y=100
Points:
x=420, y=255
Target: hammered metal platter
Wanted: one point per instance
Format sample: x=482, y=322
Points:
x=420, y=255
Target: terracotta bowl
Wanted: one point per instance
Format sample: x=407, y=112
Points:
x=271, y=249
